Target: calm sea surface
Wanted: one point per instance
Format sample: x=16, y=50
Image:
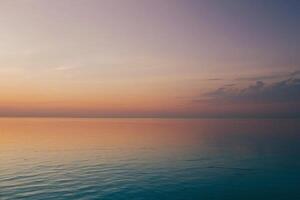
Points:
x=149, y=159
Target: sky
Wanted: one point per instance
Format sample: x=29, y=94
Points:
x=150, y=58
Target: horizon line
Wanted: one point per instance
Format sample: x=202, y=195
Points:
x=157, y=117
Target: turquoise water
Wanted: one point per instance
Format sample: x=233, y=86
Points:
x=149, y=159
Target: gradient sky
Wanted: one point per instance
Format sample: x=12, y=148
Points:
x=205, y=58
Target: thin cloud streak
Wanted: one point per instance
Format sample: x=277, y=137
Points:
x=64, y=68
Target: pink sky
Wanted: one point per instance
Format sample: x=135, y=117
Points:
x=148, y=58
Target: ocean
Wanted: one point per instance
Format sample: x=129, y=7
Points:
x=151, y=159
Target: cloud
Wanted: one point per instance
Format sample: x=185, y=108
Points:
x=295, y=73
x=284, y=91
x=285, y=75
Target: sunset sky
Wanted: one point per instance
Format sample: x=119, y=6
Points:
x=150, y=58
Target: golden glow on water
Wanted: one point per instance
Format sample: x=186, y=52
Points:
x=33, y=133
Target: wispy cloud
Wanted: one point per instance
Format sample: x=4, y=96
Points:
x=268, y=77
x=283, y=75
x=64, y=68
x=214, y=79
